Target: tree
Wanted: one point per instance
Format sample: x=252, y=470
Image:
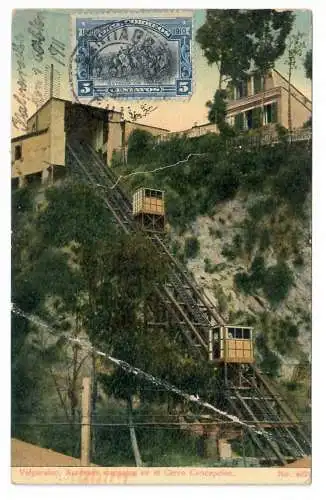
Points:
x=140, y=144
x=308, y=64
x=90, y=278
x=242, y=41
x=217, y=113
x=295, y=47
x=270, y=29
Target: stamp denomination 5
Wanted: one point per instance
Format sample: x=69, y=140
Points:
x=133, y=58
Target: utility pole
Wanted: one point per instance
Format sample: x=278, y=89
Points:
x=86, y=422
x=51, y=80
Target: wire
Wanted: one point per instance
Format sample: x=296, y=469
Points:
x=140, y=373
x=135, y=172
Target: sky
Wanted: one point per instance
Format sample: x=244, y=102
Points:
x=175, y=116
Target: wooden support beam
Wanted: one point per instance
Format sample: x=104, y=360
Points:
x=86, y=422
x=272, y=445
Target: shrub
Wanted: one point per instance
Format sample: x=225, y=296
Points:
x=277, y=282
x=258, y=271
x=228, y=252
x=270, y=363
x=251, y=234
x=298, y=261
x=233, y=250
x=140, y=144
x=262, y=207
x=225, y=182
x=243, y=283
x=214, y=233
x=237, y=244
x=210, y=267
x=21, y=202
x=221, y=298
x=192, y=247
x=265, y=239
x=293, y=183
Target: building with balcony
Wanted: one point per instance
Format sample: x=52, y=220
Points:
x=261, y=102
x=264, y=101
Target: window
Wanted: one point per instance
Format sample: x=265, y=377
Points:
x=270, y=113
x=152, y=193
x=231, y=333
x=239, y=125
x=249, y=119
x=246, y=333
x=258, y=84
x=242, y=89
x=238, y=333
x=256, y=117
x=18, y=152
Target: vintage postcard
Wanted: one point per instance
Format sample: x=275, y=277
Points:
x=161, y=246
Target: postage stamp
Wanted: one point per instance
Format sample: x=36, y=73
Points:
x=134, y=58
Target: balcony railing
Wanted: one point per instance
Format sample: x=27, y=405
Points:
x=252, y=99
x=297, y=135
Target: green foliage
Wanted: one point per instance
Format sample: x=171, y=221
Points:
x=68, y=205
x=308, y=64
x=21, y=202
x=221, y=298
x=298, y=261
x=284, y=334
x=277, y=282
x=294, y=182
x=210, y=267
x=236, y=40
x=217, y=113
x=262, y=207
x=228, y=252
x=308, y=123
x=258, y=271
x=295, y=46
x=234, y=249
x=215, y=233
x=192, y=247
x=281, y=131
x=274, y=281
x=140, y=144
x=265, y=239
x=197, y=186
x=270, y=363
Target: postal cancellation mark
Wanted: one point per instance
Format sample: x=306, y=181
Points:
x=133, y=58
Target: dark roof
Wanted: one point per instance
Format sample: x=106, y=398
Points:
x=69, y=102
x=30, y=134
x=287, y=81
x=149, y=126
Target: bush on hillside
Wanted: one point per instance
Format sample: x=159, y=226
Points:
x=277, y=282
x=192, y=247
x=140, y=144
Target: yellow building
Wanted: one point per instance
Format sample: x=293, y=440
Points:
x=266, y=101
x=259, y=101
x=39, y=155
